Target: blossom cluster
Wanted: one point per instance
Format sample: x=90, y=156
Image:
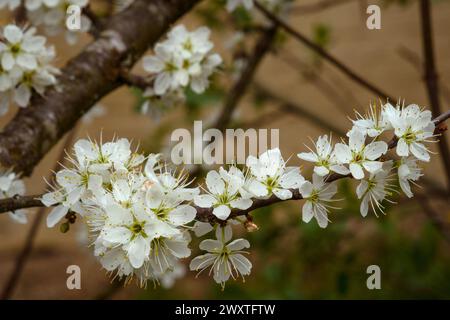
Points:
x=136, y=209
x=184, y=59
x=24, y=66
x=51, y=15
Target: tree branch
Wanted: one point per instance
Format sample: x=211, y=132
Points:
x=324, y=54
x=432, y=80
x=86, y=79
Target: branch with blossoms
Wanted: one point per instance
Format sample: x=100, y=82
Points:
x=140, y=212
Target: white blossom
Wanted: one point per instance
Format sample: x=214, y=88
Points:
x=317, y=194
x=408, y=171
x=224, y=258
x=375, y=189
x=184, y=59
x=360, y=156
x=271, y=176
x=324, y=157
x=224, y=193
x=24, y=66
x=133, y=229
x=52, y=15
x=412, y=127
x=374, y=123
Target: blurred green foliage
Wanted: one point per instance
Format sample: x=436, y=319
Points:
x=295, y=260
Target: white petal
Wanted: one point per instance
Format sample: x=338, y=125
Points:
x=202, y=262
x=56, y=215
x=222, y=212
x=8, y=61
x=308, y=156
x=214, y=182
x=343, y=153
x=322, y=218
x=22, y=95
x=204, y=200
x=241, y=203
x=321, y=171
x=201, y=228
x=224, y=234
x=356, y=140
x=27, y=61
x=211, y=245
x=282, y=194
x=238, y=244
x=68, y=179
x=138, y=250
x=13, y=33
x=307, y=212
x=341, y=169
x=402, y=148
x=117, y=235
x=420, y=152
x=121, y=190
x=406, y=188
x=182, y=215
x=241, y=263
x=372, y=166
x=306, y=189
x=356, y=170
x=375, y=149
x=364, y=207
x=178, y=248
x=162, y=83
x=118, y=215
x=362, y=188
x=258, y=189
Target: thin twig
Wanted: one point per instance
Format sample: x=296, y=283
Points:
x=317, y=7
x=339, y=99
x=414, y=59
x=20, y=14
x=297, y=110
x=327, y=56
x=240, y=87
x=432, y=80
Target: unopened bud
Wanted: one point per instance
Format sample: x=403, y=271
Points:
x=250, y=226
x=64, y=227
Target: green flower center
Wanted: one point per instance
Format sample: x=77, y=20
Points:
x=409, y=136
x=138, y=229
x=15, y=49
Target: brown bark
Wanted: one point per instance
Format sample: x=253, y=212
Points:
x=85, y=80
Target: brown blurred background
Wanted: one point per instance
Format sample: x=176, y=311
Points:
x=290, y=261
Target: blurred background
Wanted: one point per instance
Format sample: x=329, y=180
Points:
x=291, y=259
